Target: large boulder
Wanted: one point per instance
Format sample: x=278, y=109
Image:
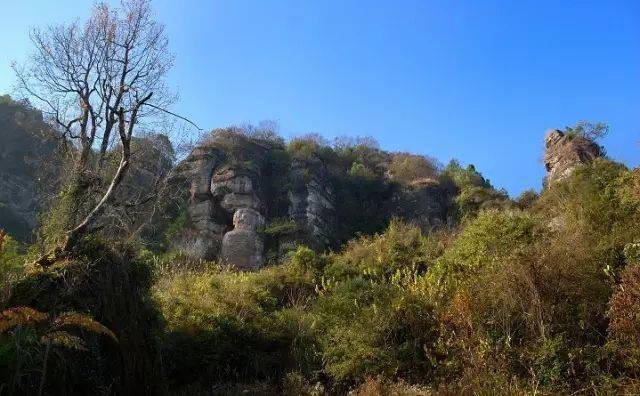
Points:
x=243, y=247
x=563, y=152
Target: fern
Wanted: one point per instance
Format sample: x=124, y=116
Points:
x=21, y=316
x=48, y=325
x=85, y=322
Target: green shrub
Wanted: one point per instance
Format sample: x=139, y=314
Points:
x=588, y=130
x=368, y=329
x=406, y=168
x=624, y=315
x=11, y=258
x=464, y=177
x=486, y=240
x=371, y=320
x=111, y=287
x=245, y=326
x=12, y=261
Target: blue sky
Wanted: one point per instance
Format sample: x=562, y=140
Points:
x=475, y=80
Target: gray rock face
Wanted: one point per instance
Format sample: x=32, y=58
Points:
x=250, y=202
x=234, y=190
x=311, y=206
x=563, y=153
x=231, y=198
x=243, y=246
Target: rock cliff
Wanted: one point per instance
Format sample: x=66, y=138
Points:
x=563, y=152
x=250, y=201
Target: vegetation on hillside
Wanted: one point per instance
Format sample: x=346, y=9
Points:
x=517, y=299
x=537, y=295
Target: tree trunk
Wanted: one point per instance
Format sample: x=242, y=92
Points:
x=77, y=233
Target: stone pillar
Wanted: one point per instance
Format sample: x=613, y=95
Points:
x=243, y=247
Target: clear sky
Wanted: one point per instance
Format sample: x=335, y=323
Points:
x=476, y=80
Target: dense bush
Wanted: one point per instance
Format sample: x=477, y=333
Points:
x=474, y=192
x=522, y=300
x=535, y=295
x=407, y=168
x=112, y=288
x=243, y=327
x=624, y=314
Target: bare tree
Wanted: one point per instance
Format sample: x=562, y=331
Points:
x=99, y=83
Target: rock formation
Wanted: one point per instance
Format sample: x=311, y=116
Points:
x=425, y=203
x=236, y=188
x=563, y=152
x=250, y=201
x=311, y=204
x=242, y=247
x=27, y=167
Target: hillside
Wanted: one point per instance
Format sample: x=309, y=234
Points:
x=28, y=169
x=305, y=267
x=251, y=197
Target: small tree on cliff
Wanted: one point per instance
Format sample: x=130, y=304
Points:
x=99, y=84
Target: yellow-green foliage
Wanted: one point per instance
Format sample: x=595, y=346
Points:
x=407, y=168
x=372, y=319
x=475, y=193
x=535, y=299
x=528, y=291
x=224, y=324
x=11, y=259
x=26, y=316
x=486, y=241
x=400, y=247
x=12, y=262
x=515, y=299
x=192, y=300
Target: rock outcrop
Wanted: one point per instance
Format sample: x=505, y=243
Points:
x=311, y=204
x=243, y=247
x=27, y=167
x=563, y=152
x=250, y=201
x=425, y=203
x=236, y=188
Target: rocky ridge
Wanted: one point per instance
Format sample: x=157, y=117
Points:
x=249, y=201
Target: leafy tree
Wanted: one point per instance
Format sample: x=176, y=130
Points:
x=464, y=177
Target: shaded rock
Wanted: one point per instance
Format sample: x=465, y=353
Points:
x=311, y=206
x=424, y=203
x=28, y=167
x=202, y=163
x=224, y=175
